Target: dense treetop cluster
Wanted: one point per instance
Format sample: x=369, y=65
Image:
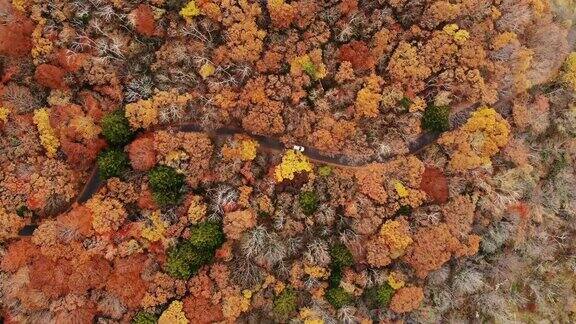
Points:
x=141, y=179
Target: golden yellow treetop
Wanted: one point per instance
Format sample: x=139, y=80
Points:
x=496, y=130
x=86, y=127
x=460, y=35
x=368, y=98
x=190, y=10
x=311, y=64
x=157, y=228
x=309, y=316
x=568, y=76
x=483, y=135
x=395, y=281
x=174, y=314
x=397, y=236
x=206, y=70
x=141, y=114
x=244, y=149
x=47, y=135
x=400, y=189
x=197, y=210
x=316, y=271
x=4, y=114
x=292, y=163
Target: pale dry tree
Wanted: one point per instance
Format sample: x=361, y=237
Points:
x=442, y=298
x=109, y=305
x=254, y=241
x=347, y=315
x=293, y=245
x=221, y=197
x=171, y=113
x=516, y=16
x=138, y=89
x=106, y=12
x=274, y=250
x=245, y=272
x=317, y=253
x=468, y=281
x=496, y=237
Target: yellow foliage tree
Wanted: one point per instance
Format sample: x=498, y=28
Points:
x=145, y=113
x=568, y=77
x=197, y=210
x=292, y=163
x=311, y=64
x=190, y=10
x=20, y=5
x=235, y=303
x=391, y=242
x=157, y=228
x=206, y=70
x=368, y=98
x=4, y=114
x=308, y=316
x=408, y=67
x=141, y=114
x=86, y=127
x=108, y=213
x=460, y=35
x=243, y=148
x=396, y=235
x=174, y=314
x=483, y=135
x=395, y=280
x=47, y=135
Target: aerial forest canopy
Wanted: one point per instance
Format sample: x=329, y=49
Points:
x=287, y=161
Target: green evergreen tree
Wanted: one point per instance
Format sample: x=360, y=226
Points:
x=436, y=118
x=112, y=163
x=116, y=128
x=338, y=297
x=166, y=185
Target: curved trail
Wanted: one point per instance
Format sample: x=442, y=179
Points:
x=458, y=117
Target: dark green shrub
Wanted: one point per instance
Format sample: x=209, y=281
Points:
x=310, y=69
x=338, y=297
x=116, y=128
x=112, y=163
x=22, y=211
x=380, y=296
x=560, y=162
x=436, y=118
x=207, y=235
x=341, y=256
x=335, y=276
x=405, y=102
x=187, y=257
x=405, y=210
x=144, y=318
x=85, y=18
x=166, y=198
x=285, y=303
x=263, y=215
x=325, y=171
x=165, y=178
x=166, y=185
x=308, y=202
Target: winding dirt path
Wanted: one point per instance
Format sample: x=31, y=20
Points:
x=458, y=117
